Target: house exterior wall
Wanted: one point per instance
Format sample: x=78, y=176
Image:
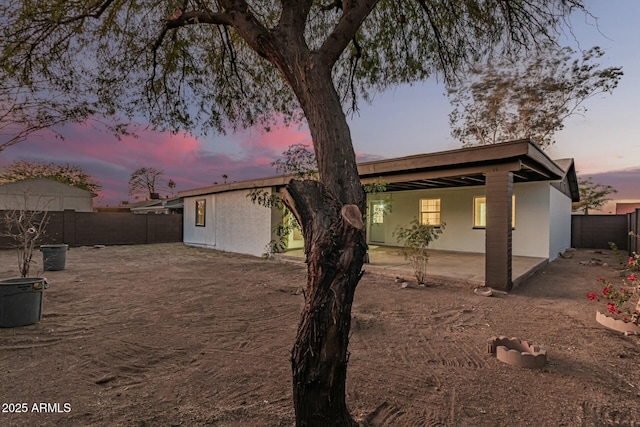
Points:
x=44, y=195
x=560, y=223
x=456, y=210
x=232, y=223
x=197, y=235
x=531, y=235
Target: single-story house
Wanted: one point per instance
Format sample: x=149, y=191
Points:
x=44, y=194
x=158, y=206
x=502, y=200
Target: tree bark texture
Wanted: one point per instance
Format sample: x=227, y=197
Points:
x=330, y=212
x=335, y=247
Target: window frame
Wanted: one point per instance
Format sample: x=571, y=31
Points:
x=201, y=212
x=438, y=211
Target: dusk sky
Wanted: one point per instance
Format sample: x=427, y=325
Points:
x=605, y=142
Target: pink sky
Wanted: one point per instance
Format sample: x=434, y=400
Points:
x=185, y=159
x=189, y=161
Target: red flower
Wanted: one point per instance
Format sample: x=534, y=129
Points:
x=611, y=307
x=630, y=260
x=593, y=296
x=606, y=290
x=625, y=320
x=632, y=278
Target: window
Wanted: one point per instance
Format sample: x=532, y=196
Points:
x=480, y=212
x=430, y=212
x=200, y=211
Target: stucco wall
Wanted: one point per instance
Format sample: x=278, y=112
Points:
x=233, y=223
x=530, y=237
x=560, y=223
x=241, y=226
x=456, y=210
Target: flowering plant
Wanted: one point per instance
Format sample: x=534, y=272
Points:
x=620, y=300
x=634, y=262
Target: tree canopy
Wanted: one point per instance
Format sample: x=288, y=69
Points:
x=298, y=160
x=193, y=64
x=504, y=101
x=73, y=175
x=25, y=112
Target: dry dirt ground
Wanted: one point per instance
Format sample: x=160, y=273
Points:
x=167, y=335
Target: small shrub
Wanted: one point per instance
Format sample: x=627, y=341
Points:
x=26, y=228
x=415, y=240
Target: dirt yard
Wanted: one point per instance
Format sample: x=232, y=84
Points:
x=167, y=335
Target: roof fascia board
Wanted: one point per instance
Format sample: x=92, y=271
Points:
x=277, y=181
x=511, y=166
x=443, y=159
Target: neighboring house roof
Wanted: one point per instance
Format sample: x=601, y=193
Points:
x=158, y=205
x=445, y=169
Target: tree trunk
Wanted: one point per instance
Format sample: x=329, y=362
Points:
x=330, y=212
x=335, y=247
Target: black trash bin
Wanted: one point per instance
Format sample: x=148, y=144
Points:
x=54, y=257
x=21, y=301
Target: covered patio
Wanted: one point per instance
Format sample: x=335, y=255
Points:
x=448, y=266
x=496, y=168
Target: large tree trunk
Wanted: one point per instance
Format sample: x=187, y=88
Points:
x=334, y=243
x=330, y=212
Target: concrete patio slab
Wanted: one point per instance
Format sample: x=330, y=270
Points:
x=462, y=267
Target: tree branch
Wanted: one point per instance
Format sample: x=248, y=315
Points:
x=442, y=51
x=181, y=18
x=294, y=17
x=97, y=12
x=354, y=12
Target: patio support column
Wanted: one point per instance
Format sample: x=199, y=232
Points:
x=498, y=249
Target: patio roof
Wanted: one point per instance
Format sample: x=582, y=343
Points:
x=467, y=167
x=453, y=168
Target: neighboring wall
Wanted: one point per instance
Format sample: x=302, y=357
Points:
x=596, y=231
x=44, y=195
x=233, y=223
x=106, y=228
x=530, y=236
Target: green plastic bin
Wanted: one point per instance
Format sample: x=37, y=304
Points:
x=54, y=257
x=21, y=301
